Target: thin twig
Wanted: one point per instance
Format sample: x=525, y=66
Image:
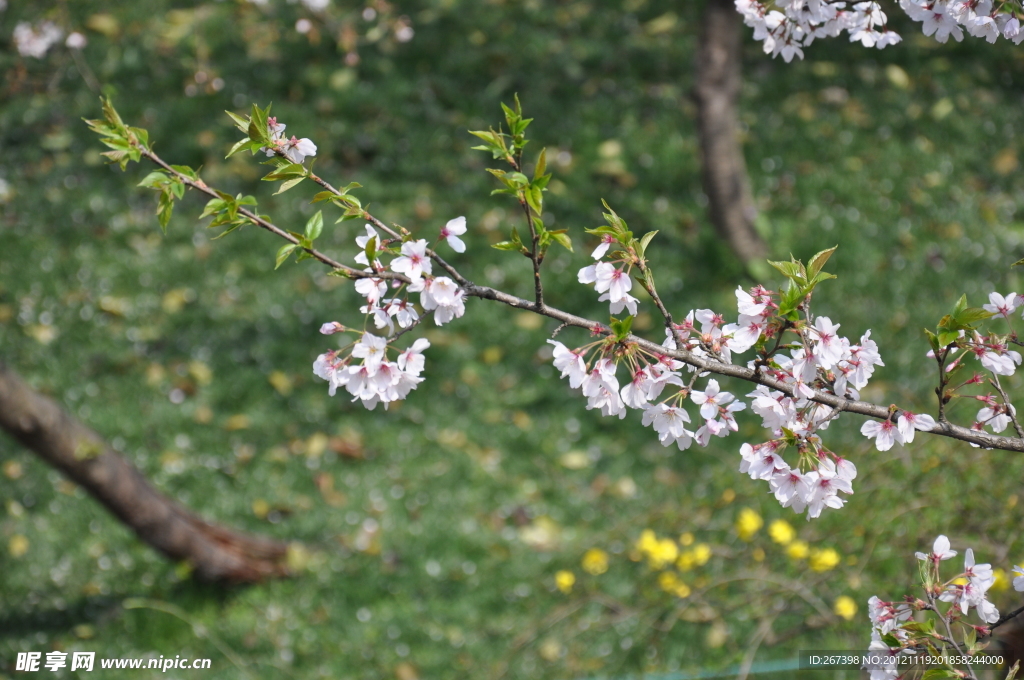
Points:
x=538, y=288
x=1006, y=618
x=1012, y=412
x=199, y=185
x=949, y=632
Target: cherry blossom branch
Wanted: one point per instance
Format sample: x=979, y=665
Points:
x=202, y=187
x=393, y=234
x=704, y=365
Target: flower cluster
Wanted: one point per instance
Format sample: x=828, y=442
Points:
x=650, y=375
x=294, y=149
x=892, y=634
x=375, y=379
x=980, y=18
x=787, y=26
x=823, y=361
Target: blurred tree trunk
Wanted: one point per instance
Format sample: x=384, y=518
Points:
x=730, y=202
x=214, y=553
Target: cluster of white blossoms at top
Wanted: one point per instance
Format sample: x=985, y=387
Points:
x=980, y=18
x=965, y=591
x=787, y=26
x=377, y=380
x=293, y=148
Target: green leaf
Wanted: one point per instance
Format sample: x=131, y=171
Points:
x=284, y=252
x=518, y=179
x=791, y=270
x=790, y=300
x=240, y=145
x=819, y=260
x=241, y=123
x=621, y=328
x=960, y=306
x=314, y=226
x=973, y=314
x=534, y=199
x=371, y=249
x=187, y=171
x=154, y=180
x=257, y=128
x=562, y=238
x=288, y=185
x=937, y=673
x=289, y=170
x=819, y=277
x=489, y=136
x=933, y=340
x=164, y=209
x=323, y=196
x=645, y=240
x=177, y=187
x=507, y=245
x=542, y=165
x=110, y=113
x=1017, y=263
x=214, y=205
x=230, y=229
x=141, y=135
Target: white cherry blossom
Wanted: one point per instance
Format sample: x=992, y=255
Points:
x=451, y=232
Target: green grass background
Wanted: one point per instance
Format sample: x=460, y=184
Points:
x=907, y=158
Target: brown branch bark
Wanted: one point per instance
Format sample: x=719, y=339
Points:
x=725, y=180
x=215, y=553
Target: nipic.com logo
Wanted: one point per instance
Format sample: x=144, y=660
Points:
x=86, y=661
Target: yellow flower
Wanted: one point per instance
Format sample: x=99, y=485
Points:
x=686, y=561
x=1001, y=581
x=797, y=550
x=663, y=554
x=686, y=539
x=647, y=541
x=824, y=560
x=670, y=583
x=845, y=607
x=565, y=580
x=701, y=554
x=748, y=523
x=781, y=532
x=595, y=561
